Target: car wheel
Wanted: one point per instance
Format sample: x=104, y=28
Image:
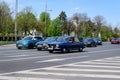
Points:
x=39, y=49
x=92, y=45
x=64, y=50
x=80, y=49
x=51, y=51
x=95, y=45
x=30, y=46
x=19, y=47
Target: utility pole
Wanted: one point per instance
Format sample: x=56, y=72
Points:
x=16, y=10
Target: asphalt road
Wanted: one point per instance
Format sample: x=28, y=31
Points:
x=97, y=63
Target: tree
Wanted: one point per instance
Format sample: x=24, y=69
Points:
x=55, y=28
x=89, y=29
x=45, y=22
x=6, y=21
x=79, y=20
x=99, y=21
x=70, y=27
x=27, y=21
x=63, y=19
x=116, y=32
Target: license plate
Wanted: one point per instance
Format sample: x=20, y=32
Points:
x=20, y=45
x=50, y=48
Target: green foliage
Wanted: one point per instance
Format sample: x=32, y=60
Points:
x=44, y=22
x=55, y=28
x=79, y=23
x=6, y=21
x=89, y=26
x=26, y=21
x=6, y=42
x=63, y=19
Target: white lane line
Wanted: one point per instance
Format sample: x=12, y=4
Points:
x=39, y=68
x=74, y=75
x=25, y=78
x=56, y=55
x=57, y=59
x=108, y=61
x=50, y=60
x=82, y=70
x=17, y=55
x=94, y=66
x=101, y=63
x=91, y=61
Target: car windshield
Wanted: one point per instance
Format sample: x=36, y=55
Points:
x=97, y=39
x=114, y=39
x=49, y=39
x=86, y=40
x=27, y=38
x=60, y=39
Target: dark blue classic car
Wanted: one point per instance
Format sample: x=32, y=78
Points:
x=43, y=45
x=66, y=44
x=28, y=42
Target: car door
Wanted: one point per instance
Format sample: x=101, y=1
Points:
x=76, y=43
x=72, y=43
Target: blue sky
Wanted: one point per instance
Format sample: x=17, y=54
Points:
x=109, y=9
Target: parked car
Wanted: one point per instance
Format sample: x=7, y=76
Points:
x=28, y=42
x=115, y=41
x=98, y=41
x=43, y=45
x=90, y=42
x=66, y=44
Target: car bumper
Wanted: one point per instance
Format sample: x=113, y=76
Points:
x=54, y=49
x=42, y=47
x=21, y=46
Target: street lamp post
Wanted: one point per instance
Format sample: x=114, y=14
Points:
x=45, y=18
x=16, y=9
x=46, y=15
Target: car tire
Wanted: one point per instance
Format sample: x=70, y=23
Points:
x=80, y=49
x=30, y=46
x=91, y=45
x=63, y=50
x=39, y=49
x=19, y=47
x=50, y=51
x=95, y=45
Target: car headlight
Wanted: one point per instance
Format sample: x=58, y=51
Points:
x=57, y=46
x=88, y=42
x=44, y=44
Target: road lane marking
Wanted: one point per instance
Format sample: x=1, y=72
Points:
x=101, y=63
x=25, y=78
x=82, y=70
x=95, y=66
x=60, y=59
x=74, y=74
x=114, y=73
x=56, y=55
x=17, y=55
x=50, y=60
